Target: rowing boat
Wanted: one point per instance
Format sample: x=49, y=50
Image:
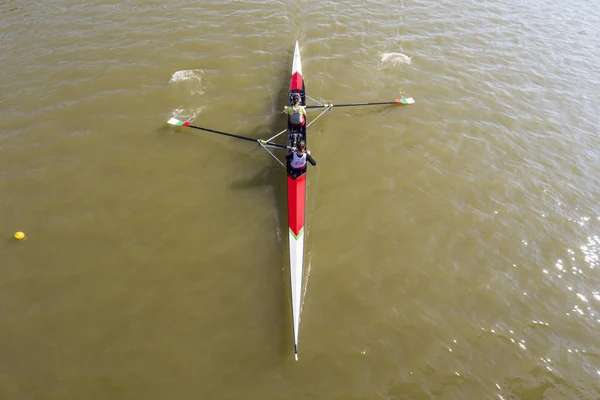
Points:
x=296, y=199
x=296, y=179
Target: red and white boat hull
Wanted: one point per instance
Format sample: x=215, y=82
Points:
x=296, y=203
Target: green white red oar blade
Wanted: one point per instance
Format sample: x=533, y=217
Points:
x=178, y=122
x=408, y=100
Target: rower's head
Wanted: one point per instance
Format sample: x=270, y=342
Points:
x=301, y=145
x=296, y=99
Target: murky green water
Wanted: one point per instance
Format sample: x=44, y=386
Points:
x=453, y=245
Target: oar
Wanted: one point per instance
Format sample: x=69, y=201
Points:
x=408, y=100
x=178, y=122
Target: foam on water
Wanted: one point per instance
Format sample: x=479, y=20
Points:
x=186, y=114
x=187, y=74
x=193, y=79
x=394, y=59
x=188, y=84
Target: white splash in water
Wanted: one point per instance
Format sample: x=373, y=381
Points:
x=191, y=77
x=187, y=74
x=395, y=59
x=185, y=114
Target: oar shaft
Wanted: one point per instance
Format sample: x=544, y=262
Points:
x=236, y=136
x=222, y=133
x=408, y=100
x=354, y=104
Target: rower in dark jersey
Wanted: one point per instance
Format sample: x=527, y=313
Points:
x=299, y=156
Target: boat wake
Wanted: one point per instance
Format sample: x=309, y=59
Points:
x=305, y=278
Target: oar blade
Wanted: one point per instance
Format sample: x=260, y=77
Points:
x=407, y=100
x=178, y=122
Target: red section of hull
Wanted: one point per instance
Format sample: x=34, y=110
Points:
x=296, y=83
x=296, y=203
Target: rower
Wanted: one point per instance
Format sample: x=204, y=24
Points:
x=298, y=156
x=297, y=112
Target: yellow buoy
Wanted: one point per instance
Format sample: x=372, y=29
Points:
x=19, y=235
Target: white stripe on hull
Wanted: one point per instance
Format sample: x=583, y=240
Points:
x=296, y=259
x=297, y=64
